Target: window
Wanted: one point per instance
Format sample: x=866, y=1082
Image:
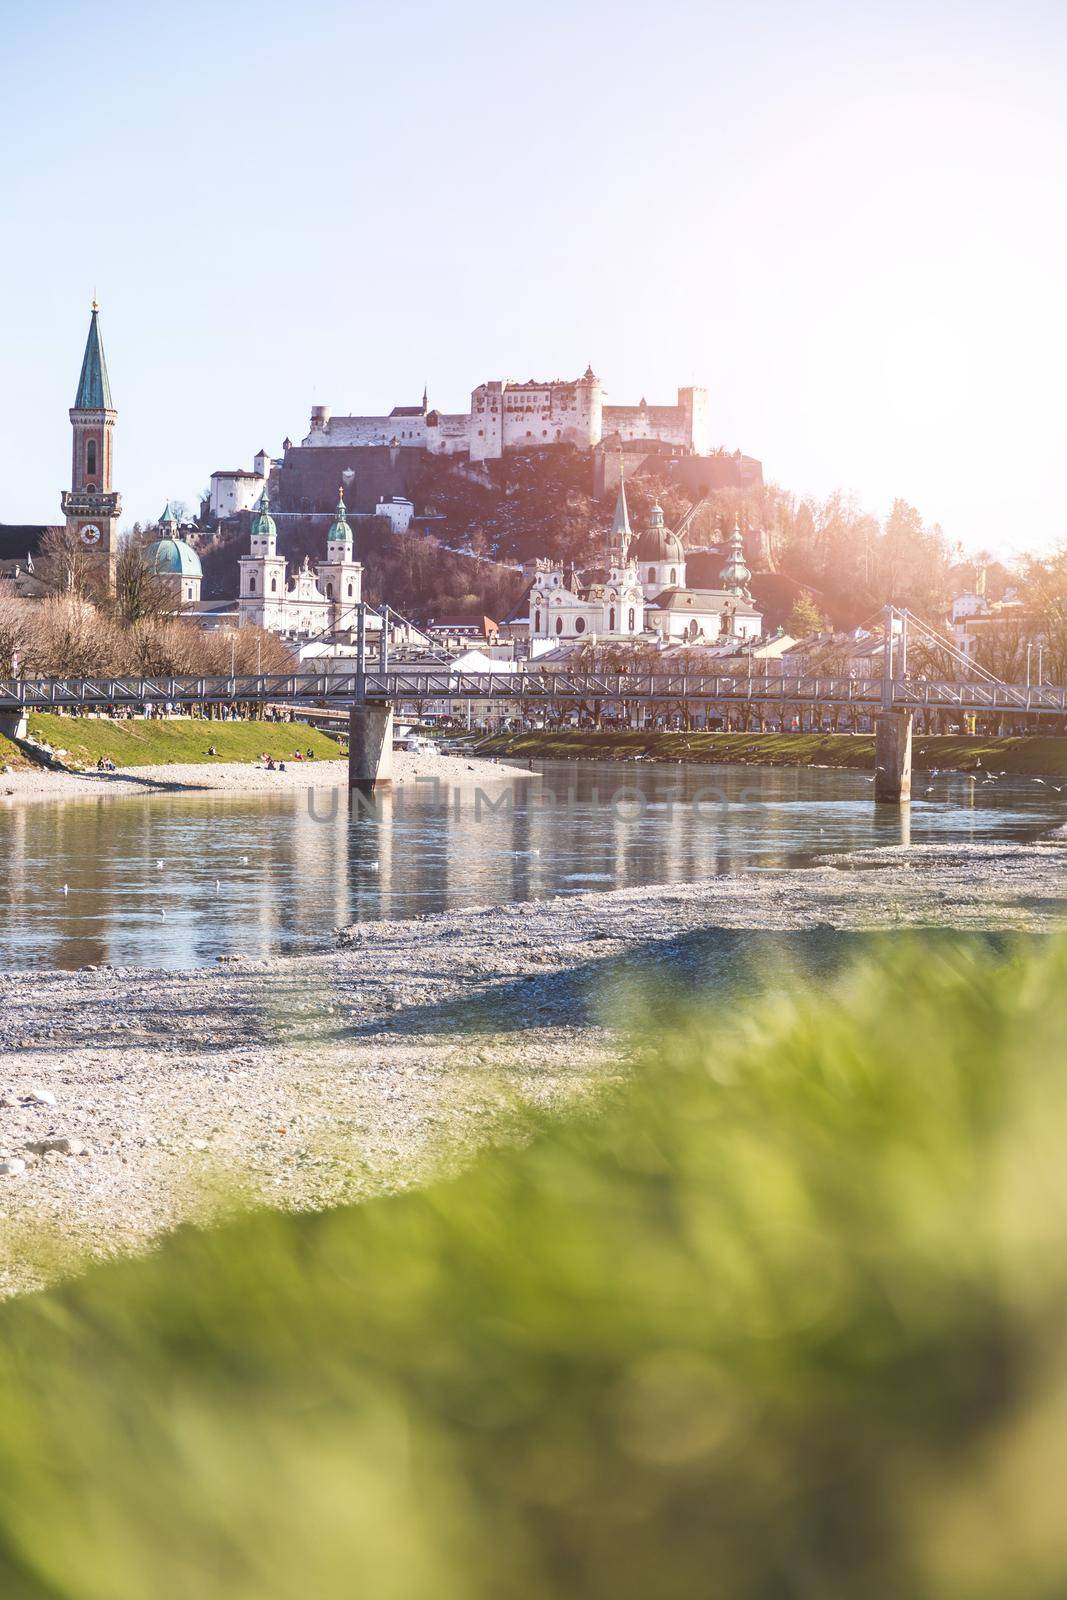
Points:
x=611, y=620
x=674, y=574
x=329, y=591
x=350, y=591
x=274, y=586
x=630, y=624
x=537, y=621
x=252, y=583
x=559, y=624
x=90, y=458
x=651, y=574
x=579, y=624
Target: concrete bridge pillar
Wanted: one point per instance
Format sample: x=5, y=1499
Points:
x=892, y=757
x=13, y=724
x=370, y=747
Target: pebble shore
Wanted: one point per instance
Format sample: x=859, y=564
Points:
x=44, y=784
x=131, y=1100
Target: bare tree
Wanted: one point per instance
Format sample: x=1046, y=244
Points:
x=140, y=591
x=65, y=566
x=16, y=635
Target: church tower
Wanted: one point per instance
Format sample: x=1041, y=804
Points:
x=264, y=594
x=341, y=575
x=91, y=505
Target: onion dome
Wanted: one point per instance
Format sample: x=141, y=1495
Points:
x=658, y=543
x=340, y=532
x=735, y=574
x=263, y=524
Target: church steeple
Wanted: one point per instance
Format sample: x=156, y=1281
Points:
x=339, y=538
x=735, y=574
x=91, y=506
x=94, y=391
x=621, y=532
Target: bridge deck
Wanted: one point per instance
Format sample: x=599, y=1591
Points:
x=419, y=684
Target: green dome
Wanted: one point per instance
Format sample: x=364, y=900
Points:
x=173, y=557
x=263, y=524
x=339, y=529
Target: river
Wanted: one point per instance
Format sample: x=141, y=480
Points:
x=177, y=880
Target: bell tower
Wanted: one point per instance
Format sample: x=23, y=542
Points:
x=90, y=505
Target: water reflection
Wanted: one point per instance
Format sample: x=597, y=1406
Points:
x=176, y=880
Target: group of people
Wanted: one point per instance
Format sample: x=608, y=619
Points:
x=279, y=766
x=105, y=764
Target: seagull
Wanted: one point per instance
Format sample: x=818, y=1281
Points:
x=1039, y=780
x=159, y=865
x=218, y=886
x=163, y=915
x=244, y=859
x=66, y=888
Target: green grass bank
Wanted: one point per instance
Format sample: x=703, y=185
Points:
x=11, y=756
x=179, y=740
x=782, y=1316
x=1024, y=753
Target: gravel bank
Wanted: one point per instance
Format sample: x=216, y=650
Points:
x=311, y=1080
x=42, y=784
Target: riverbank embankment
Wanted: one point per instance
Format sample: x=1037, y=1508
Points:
x=306, y=1081
x=1022, y=754
x=166, y=754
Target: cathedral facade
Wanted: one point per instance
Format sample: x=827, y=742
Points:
x=318, y=600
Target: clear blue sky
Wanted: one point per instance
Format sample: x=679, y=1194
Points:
x=847, y=221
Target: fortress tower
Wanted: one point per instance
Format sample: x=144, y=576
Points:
x=91, y=507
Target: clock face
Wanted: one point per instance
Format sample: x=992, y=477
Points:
x=90, y=535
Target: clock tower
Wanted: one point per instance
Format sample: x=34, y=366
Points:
x=91, y=506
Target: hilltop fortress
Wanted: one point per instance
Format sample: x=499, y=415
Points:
x=380, y=459
x=506, y=415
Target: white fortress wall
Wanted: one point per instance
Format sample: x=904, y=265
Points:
x=507, y=415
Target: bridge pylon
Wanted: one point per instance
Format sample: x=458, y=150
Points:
x=892, y=757
x=370, y=746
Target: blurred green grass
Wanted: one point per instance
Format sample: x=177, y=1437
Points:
x=1014, y=753
x=782, y=1315
x=156, y=741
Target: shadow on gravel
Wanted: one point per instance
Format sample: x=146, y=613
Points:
x=723, y=963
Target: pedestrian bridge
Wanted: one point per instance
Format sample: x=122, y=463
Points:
x=531, y=685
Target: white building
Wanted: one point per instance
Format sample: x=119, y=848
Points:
x=397, y=510
x=318, y=600
x=641, y=593
x=234, y=491
x=507, y=415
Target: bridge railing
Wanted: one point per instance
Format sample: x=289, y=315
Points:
x=531, y=686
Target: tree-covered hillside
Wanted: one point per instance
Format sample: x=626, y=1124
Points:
x=830, y=560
